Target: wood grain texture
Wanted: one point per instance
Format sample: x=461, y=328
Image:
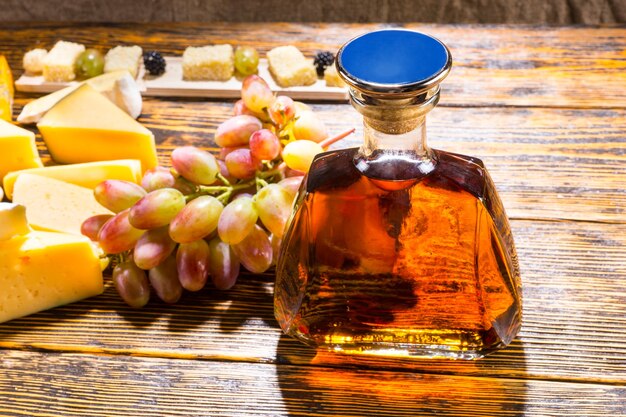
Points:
x=499, y=65
x=574, y=317
x=86, y=385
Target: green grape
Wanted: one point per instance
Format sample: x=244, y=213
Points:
x=195, y=165
x=91, y=227
x=256, y=94
x=246, y=60
x=309, y=127
x=192, y=261
x=164, y=280
x=237, y=220
x=196, y=220
x=255, y=251
x=131, y=284
x=153, y=247
x=118, y=195
x=89, y=63
x=117, y=235
x=236, y=131
x=273, y=203
x=157, y=208
x=299, y=154
x=223, y=264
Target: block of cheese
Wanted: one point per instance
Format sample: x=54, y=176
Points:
x=42, y=270
x=17, y=149
x=118, y=86
x=58, y=65
x=215, y=63
x=123, y=58
x=85, y=126
x=290, y=68
x=88, y=174
x=53, y=205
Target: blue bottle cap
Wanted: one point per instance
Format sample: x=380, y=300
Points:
x=393, y=62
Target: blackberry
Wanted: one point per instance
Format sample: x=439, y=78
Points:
x=154, y=63
x=322, y=60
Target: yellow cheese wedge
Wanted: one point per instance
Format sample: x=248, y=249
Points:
x=42, y=270
x=17, y=149
x=12, y=220
x=53, y=205
x=117, y=86
x=85, y=126
x=88, y=174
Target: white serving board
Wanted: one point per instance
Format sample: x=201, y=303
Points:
x=171, y=84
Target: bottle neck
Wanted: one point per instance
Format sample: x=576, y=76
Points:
x=413, y=141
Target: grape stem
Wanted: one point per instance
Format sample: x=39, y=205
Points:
x=329, y=141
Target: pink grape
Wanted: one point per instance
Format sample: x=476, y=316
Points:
x=309, y=127
x=236, y=131
x=273, y=204
x=131, y=284
x=192, y=262
x=291, y=185
x=153, y=247
x=224, y=171
x=118, y=195
x=164, y=280
x=223, y=264
x=282, y=110
x=237, y=220
x=117, y=235
x=157, y=177
x=276, y=242
x=241, y=164
x=240, y=108
x=264, y=145
x=195, y=165
x=225, y=151
x=255, y=251
x=157, y=208
x=256, y=94
x=196, y=220
x=91, y=227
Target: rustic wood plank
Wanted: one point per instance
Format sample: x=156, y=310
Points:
x=494, y=65
x=546, y=163
x=32, y=383
x=574, y=317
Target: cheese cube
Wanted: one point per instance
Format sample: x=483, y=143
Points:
x=216, y=63
x=53, y=205
x=290, y=68
x=88, y=174
x=17, y=149
x=332, y=78
x=33, y=60
x=58, y=65
x=42, y=270
x=123, y=58
x=85, y=126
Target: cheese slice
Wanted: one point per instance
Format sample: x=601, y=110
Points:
x=17, y=149
x=53, y=205
x=88, y=174
x=118, y=86
x=85, y=126
x=42, y=270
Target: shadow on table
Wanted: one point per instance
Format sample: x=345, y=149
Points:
x=326, y=384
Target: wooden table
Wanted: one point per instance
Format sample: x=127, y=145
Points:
x=545, y=108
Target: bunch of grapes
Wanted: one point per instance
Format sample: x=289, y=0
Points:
x=206, y=216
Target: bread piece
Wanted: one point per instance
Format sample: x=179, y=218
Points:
x=210, y=63
x=290, y=68
x=58, y=65
x=33, y=60
x=332, y=78
x=123, y=58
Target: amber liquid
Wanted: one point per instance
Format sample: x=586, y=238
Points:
x=398, y=261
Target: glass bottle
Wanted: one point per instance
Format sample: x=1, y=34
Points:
x=394, y=248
